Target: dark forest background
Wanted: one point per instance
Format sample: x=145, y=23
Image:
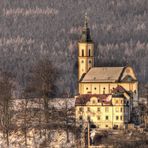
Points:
x=32, y=29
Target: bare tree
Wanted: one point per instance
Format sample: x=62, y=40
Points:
x=42, y=85
x=25, y=117
x=66, y=117
x=6, y=86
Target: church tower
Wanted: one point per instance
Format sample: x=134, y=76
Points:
x=85, y=51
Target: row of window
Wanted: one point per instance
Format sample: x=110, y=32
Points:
x=88, y=109
x=88, y=61
x=94, y=88
x=99, y=118
x=89, y=52
x=117, y=109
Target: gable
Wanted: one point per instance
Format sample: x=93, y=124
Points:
x=93, y=101
x=128, y=75
x=128, y=78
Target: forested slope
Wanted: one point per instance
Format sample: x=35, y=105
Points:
x=30, y=29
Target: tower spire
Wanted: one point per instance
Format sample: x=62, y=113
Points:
x=85, y=37
x=86, y=21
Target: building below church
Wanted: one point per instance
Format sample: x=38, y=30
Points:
x=106, y=95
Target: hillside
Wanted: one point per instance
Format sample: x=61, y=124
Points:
x=32, y=29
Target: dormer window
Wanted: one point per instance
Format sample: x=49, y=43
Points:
x=94, y=101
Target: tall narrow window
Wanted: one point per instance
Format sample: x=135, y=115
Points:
x=121, y=109
x=89, y=53
x=82, y=52
x=106, y=117
x=120, y=117
x=117, y=117
x=104, y=90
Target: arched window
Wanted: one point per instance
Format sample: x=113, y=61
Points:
x=89, y=53
x=82, y=52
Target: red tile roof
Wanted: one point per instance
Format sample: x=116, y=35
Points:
x=83, y=99
x=119, y=89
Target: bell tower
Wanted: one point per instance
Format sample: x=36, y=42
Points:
x=85, y=51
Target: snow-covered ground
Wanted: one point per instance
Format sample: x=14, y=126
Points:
x=58, y=103
x=56, y=137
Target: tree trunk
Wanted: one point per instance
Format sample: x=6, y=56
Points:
x=25, y=123
x=67, y=132
x=40, y=118
x=25, y=134
x=7, y=137
x=46, y=111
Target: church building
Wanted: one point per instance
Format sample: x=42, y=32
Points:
x=106, y=95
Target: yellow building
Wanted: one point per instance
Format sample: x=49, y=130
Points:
x=104, y=110
x=97, y=82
